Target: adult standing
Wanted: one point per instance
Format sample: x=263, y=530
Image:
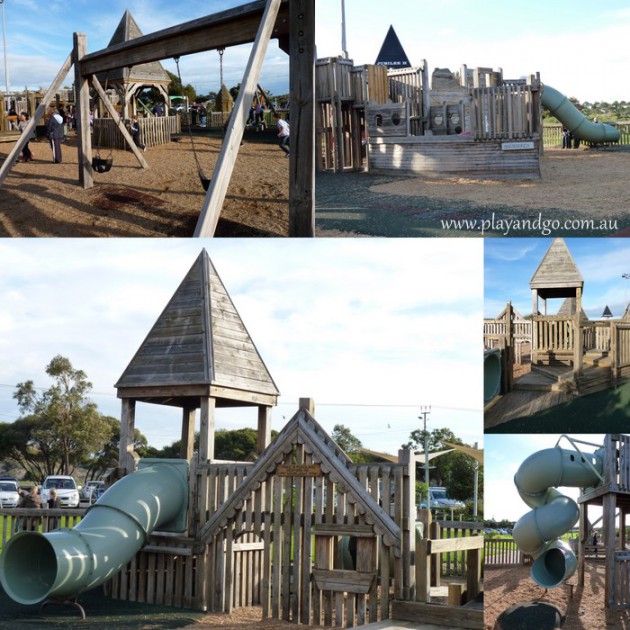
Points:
x=284, y=133
x=54, y=132
x=27, y=154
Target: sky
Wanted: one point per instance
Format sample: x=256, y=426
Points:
x=510, y=264
x=580, y=49
x=37, y=48
x=504, y=453
x=373, y=331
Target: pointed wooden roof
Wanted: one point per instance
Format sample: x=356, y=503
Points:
x=146, y=73
x=568, y=307
x=557, y=274
x=392, y=53
x=626, y=314
x=199, y=346
x=304, y=429
x=607, y=313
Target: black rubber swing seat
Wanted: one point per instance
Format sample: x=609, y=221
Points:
x=205, y=182
x=102, y=165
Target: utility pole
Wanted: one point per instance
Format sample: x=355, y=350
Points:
x=425, y=411
x=475, y=485
x=344, y=44
x=6, y=60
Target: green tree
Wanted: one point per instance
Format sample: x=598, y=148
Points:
x=61, y=427
x=346, y=440
x=175, y=88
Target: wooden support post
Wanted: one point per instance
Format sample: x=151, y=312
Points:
x=264, y=428
x=609, y=503
x=82, y=91
x=408, y=529
x=582, y=542
x=127, y=429
x=308, y=404
x=188, y=434
x=119, y=123
x=32, y=123
x=302, y=89
x=206, y=430
x=213, y=202
x=579, y=336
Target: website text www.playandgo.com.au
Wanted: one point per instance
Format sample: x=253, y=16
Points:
x=538, y=225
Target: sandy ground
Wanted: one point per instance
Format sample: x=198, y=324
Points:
x=242, y=619
x=43, y=199
x=506, y=587
x=584, y=181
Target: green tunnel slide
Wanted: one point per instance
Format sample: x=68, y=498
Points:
x=60, y=564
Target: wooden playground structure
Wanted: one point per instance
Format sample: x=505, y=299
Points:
x=569, y=354
x=301, y=531
x=613, y=495
x=473, y=123
x=292, y=23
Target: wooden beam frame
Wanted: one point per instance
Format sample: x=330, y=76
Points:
x=23, y=139
x=215, y=196
x=220, y=30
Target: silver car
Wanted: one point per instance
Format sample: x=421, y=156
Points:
x=9, y=496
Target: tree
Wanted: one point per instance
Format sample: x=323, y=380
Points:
x=346, y=441
x=175, y=88
x=61, y=427
x=455, y=470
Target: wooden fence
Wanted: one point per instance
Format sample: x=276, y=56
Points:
x=13, y=520
x=154, y=131
x=502, y=552
x=620, y=591
x=552, y=134
x=506, y=112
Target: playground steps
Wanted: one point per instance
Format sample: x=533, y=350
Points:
x=597, y=357
x=544, y=379
x=594, y=379
x=519, y=404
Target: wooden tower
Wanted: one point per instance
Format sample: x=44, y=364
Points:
x=198, y=355
x=129, y=81
x=613, y=495
x=557, y=276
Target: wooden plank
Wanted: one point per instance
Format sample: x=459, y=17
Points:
x=343, y=529
x=9, y=161
x=84, y=138
x=455, y=544
x=302, y=85
x=222, y=174
x=452, y=616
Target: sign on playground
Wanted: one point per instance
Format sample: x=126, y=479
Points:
x=516, y=146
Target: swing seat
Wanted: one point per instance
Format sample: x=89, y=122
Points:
x=102, y=165
x=205, y=182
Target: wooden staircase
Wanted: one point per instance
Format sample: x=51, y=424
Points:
x=597, y=373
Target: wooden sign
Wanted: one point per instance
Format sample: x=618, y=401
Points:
x=299, y=470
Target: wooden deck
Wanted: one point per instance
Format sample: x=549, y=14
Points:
x=519, y=404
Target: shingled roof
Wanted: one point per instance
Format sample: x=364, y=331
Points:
x=557, y=274
x=146, y=73
x=198, y=346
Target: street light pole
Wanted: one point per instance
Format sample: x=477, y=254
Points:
x=6, y=60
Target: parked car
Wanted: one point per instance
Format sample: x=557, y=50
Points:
x=66, y=490
x=9, y=496
x=439, y=499
x=92, y=491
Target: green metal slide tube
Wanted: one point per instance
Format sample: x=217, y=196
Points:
x=65, y=562
x=537, y=533
x=574, y=120
x=491, y=374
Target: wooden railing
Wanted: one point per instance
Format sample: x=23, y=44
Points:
x=154, y=131
x=453, y=563
x=504, y=112
x=553, y=333
x=620, y=593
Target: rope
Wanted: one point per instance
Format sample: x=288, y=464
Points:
x=202, y=175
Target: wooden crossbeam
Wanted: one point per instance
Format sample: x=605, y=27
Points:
x=23, y=139
x=220, y=30
x=224, y=167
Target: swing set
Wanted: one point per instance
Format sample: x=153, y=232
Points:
x=291, y=22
